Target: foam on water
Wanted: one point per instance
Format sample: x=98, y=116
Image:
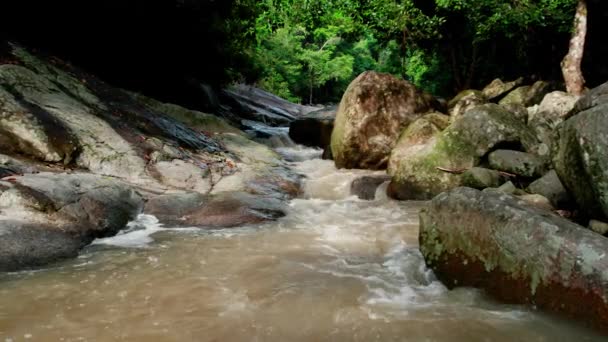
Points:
x=138, y=233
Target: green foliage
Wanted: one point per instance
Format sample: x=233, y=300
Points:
x=426, y=70
x=309, y=50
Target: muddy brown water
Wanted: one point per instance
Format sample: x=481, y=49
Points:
x=334, y=269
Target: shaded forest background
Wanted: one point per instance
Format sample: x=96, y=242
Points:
x=306, y=50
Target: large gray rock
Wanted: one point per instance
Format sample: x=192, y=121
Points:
x=497, y=88
x=464, y=101
x=528, y=95
x=375, y=109
x=552, y=111
x=481, y=178
x=581, y=161
x=516, y=253
x=551, y=187
x=421, y=171
x=46, y=217
x=592, y=98
x=517, y=163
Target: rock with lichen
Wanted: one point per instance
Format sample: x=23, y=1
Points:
x=436, y=164
x=374, y=110
x=516, y=253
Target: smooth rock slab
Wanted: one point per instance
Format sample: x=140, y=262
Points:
x=47, y=217
x=517, y=253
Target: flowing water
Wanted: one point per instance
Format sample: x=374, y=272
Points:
x=334, y=269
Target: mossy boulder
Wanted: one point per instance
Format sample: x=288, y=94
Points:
x=528, y=95
x=517, y=253
x=497, y=88
x=516, y=162
x=421, y=171
x=551, y=187
x=481, y=178
x=580, y=159
x=552, y=111
x=374, y=110
x=464, y=101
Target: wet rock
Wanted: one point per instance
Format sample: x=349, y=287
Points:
x=497, y=88
x=551, y=187
x=256, y=104
x=314, y=129
x=528, y=95
x=199, y=121
x=171, y=207
x=424, y=170
x=516, y=253
x=516, y=162
x=481, y=178
x=46, y=217
x=580, y=160
x=375, y=109
x=464, y=101
x=365, y=187
x=234, y=209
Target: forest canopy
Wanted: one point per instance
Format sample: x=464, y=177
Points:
x=309, y=50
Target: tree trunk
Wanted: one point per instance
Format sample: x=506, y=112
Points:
x=571, y=65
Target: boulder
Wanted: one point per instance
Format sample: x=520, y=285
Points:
x=552, y=111
x=516, y=253
x=581, y=161
x=509, y=188
x=314, y=129
x=519, y=111
x=592, y=98
x=551, y=187
x=365, y=187
x=46, y=217
x=497, y=88
x=464, y=101
x=423, y=170
x=374, y=110
x=481, y=178
x=528, y=95
x=517, y=163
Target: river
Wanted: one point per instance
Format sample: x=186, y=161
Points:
x=334, y=269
